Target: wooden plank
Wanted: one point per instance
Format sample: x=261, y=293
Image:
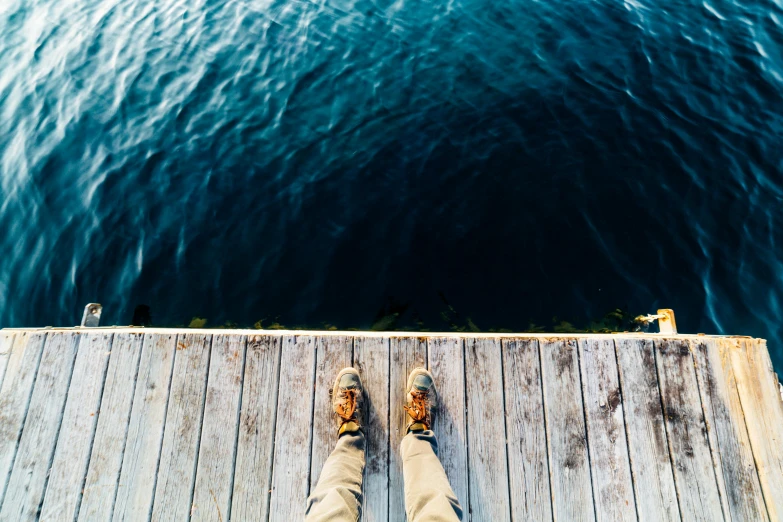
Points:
x=731, y=451
x=27, y=483
x=108, y=447
x=761, y=404
x=177, y=468
x=609, y=462
x=487, y=460
x=6, y=344
x=215, y=473
x=526, y=431
x=257, y=417
x=74, y=443
x=334, y=354
x=686, y=431
x=407, y=353
x=145, y=429
x=572, y=495
x=446, y=363
x=371, y=358
x=21, y=370
x=293, y=433
x=656, y=497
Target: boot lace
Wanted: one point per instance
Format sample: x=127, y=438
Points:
x=419, y=409
x=347, y=408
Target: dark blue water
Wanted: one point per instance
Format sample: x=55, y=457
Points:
x=420, y=164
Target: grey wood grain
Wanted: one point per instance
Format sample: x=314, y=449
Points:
x=609, y=461
x=487, y=460
x=74, y=443
x=215, y=473
x=293, y=434
x=656, y=497
x=446, y=363
x=108, y=447
x=686, y=431
x=407, y=353
x=526, y=431
x=178, y=455
x=6, y=344
x=761, y=404
x=145, y=429
x=371, y=358
x=21, y=370
x=334, y=354
x=253, y=470
x=27, y=483
x=731, y=451
x=572, y=496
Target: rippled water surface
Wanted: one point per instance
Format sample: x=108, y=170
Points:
x=400, y=163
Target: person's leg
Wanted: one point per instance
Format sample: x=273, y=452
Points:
x=338, y=495
x=428, y=494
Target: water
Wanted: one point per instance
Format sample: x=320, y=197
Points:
x=397, y=164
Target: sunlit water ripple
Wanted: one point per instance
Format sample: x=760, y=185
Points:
x=311, y=162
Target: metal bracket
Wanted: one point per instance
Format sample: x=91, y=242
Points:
x=92, y=315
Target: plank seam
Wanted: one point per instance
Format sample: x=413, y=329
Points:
x=578, y=348
x=236, y=433
x=463, y=341
x=750, y=443
x=60, y=425
x=274, y=429
x=625, y=427
x=80, y=493
x=10, y=351
x=502, y=344
x=163, y=431
x=127, y=426
x=24, y=417
x=201, y=431
x=666, y=428
x=713, y=451
x=316, y=342
x=546, y=430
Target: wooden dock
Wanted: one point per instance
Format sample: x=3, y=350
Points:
x=133, y=424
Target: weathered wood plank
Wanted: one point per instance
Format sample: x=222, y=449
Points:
x=526, y=431
x=108, y=446
x=407, y=353
x=334, y=354
x=6, y=344
x=656, y=497
x=761, y=404
x=446, y=363
x=215, y=473
x=293, y=434
x=731, y=451
x=177, y=468
x=145, y=429
x=74, y=443
x=572, y=495
x=487, y=459
x=609, y=461
x=686, y=431
x=371, y=358
x=37, y=445
x=15, y=394
x=253, y=470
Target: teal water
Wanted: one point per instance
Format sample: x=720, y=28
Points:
x=415, y=164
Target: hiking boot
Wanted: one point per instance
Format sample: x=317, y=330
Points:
x=348, y=400
x=422, y=400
